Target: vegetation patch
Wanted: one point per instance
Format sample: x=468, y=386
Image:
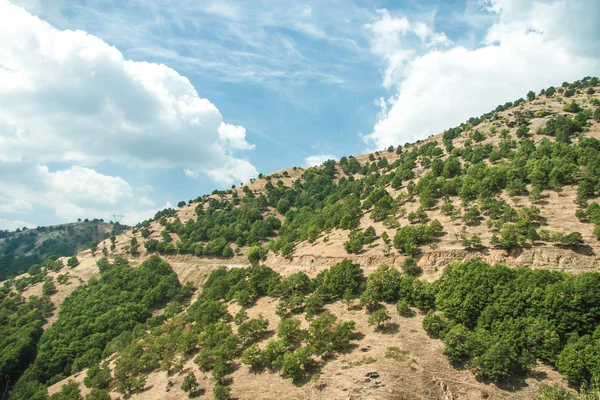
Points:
x=363, y=361
x=396, y=353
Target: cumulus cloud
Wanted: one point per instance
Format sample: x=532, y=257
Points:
x=68, y=96
x=12, y=224
x=234, y=137
x=318, y=159
x=85, y=184
x=8, y=205
x=71, y=193
x=531, y=45
x=69, y=99
x=396, y=40
x=234, y=171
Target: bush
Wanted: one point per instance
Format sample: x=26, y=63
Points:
x=379, y=318
x=435, y=324
x=97, y=394
x=221, y=392
x=572, y=107
x=383, y=284
x=523, y=132
x=289, y=331
x=295, y=364
x=455, y=339
x=48, y=288
x=313, y=305
x=343, y=277
x=190, y=384
x=253, y=357
x=72, y=262
x=403, y=309
x=253, y=330
x=98, y=376
x=447, y=209
x=410, y=267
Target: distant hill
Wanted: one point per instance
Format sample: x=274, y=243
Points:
x=22, y=248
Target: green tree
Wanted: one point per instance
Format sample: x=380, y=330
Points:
x=190, y=384
x=283, y=205
x=410, y=267
x=253, y=330
x=97, y=394
x=68, y=391
x=93, y=247
x=289, y=331
x=435, y=324
x=98, y=376
x=295, y=363
x=254, y=254
x=72, y=262
x=403, y=309
x=456, y=343
x=343, y=277
x=48, y=288
x=221, y=392
x=379, y=318
x=253, y=357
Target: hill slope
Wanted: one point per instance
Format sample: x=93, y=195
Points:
x=517, y=185
x=521, y=166
x=23, y=248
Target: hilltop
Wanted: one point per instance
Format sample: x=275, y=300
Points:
x=365, y=277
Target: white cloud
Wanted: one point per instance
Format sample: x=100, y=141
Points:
x=68, y=96
x=11, y=225
x=189, y=173
x=233, y=172
x=146, y=202
x=132, y=217
x=234, y=137
x=318, y=159
x=85, y=184
x=393, y=42
x=14, y=205
x=70, y=193
x=532, y=45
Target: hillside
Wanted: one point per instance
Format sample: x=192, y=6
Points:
x=22, y=248
x=367, y=277
x=513, y=155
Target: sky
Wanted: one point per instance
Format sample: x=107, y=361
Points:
x=128, y=107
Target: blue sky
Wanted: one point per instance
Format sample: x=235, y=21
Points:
x=125, y=107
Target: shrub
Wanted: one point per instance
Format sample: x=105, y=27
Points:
x=379, y=318
x=410, y=267
x=72, y=262
x=221, y=392
x=190, y=384
x=403, y=309
x=435, y=324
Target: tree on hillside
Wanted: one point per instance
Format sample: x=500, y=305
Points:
x=190, y=384
x=379, y=318
x=93, y=247
x=72, y=262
